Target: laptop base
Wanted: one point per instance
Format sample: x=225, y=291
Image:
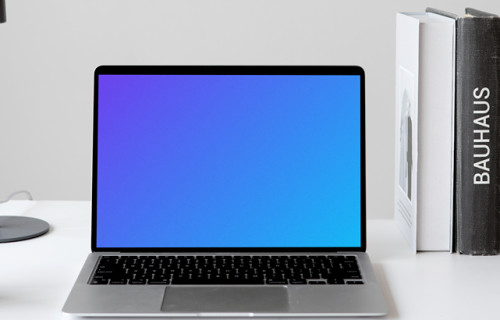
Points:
x=226, y=301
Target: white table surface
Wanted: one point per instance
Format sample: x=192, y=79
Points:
x=36, y=275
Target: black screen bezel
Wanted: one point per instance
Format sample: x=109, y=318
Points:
x=229, y=70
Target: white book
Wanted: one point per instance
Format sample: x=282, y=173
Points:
x=425, y=100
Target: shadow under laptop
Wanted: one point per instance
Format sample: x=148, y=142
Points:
x=384, y=285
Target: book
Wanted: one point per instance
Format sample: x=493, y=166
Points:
x=477, y=181
x=425, y=79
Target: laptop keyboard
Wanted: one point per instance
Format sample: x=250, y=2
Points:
x=216, y=270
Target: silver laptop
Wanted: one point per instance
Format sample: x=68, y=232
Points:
x=228, y=191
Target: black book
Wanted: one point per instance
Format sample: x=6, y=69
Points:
x=477, y=158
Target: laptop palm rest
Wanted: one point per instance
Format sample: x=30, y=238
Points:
x=232, y=299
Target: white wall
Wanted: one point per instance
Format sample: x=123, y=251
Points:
x=49, y=49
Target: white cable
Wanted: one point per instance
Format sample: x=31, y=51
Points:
x=30, y=197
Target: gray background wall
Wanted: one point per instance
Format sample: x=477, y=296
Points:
x=49, y=49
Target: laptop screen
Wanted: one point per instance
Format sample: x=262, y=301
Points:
x=228, y=157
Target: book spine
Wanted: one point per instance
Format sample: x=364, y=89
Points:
x=477, y=182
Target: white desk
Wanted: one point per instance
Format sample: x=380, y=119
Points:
x=36, y=275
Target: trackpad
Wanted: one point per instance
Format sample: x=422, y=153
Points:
x=225, y=299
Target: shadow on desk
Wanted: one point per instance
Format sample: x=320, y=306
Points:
x=382, y=280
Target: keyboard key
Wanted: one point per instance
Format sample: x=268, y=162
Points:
x=137, y=281
x=159, y=281
x=118, y=281
x=275, y=281
x=316, y=282
x=336, y=280
x=99, y=281
x=352, y=275
x=298, y=281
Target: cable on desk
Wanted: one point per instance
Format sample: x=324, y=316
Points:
x=30, y=197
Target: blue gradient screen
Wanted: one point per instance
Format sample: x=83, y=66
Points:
x=228, y=161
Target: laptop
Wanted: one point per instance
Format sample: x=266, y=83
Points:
x=228, y=191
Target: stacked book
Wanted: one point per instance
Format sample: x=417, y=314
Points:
x=447, y=181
